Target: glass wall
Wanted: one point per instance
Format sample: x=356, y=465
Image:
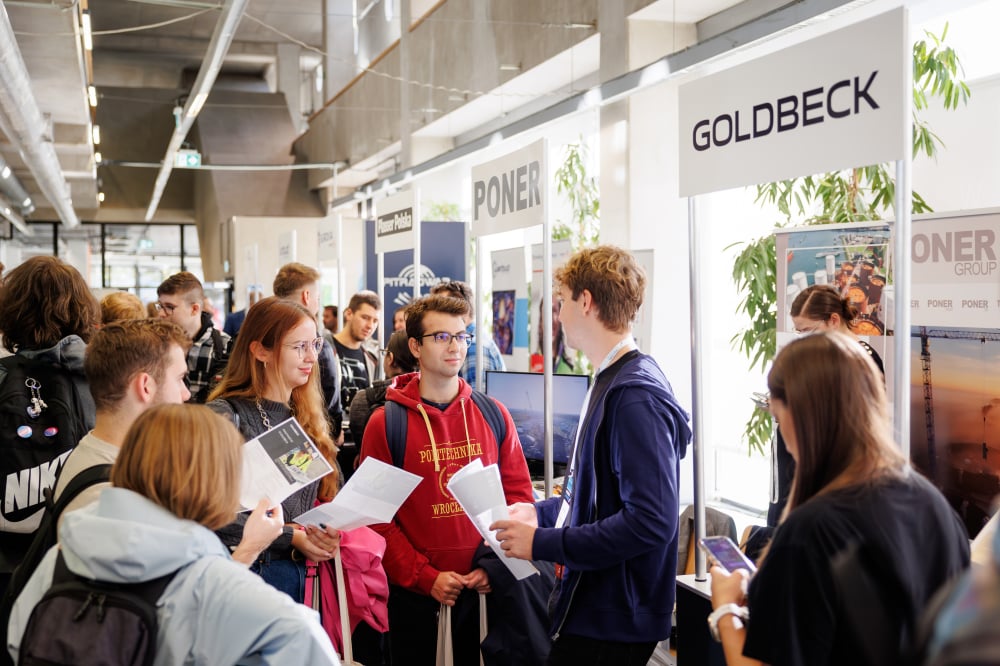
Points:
x=129, y=257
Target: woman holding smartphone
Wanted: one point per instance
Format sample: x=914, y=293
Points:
x=854, y=498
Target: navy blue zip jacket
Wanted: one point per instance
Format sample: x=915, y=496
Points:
x=619, y=544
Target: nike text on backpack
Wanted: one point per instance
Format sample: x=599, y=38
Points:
x=42, y=419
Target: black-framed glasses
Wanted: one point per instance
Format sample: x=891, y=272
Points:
x=444, y=338
x=300, y=348
x=165, y=307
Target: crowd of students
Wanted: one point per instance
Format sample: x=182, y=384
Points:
x=166, y=508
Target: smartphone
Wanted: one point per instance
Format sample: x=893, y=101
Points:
x=726, y=554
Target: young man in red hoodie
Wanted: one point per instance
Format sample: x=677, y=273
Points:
x=430, y=543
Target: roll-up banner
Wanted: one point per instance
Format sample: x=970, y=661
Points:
x=787, y=114
x=509, y=303
x=954, y=391
x=442, y=255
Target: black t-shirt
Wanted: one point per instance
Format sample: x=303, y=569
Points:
x=795, y=616
x=353, y=371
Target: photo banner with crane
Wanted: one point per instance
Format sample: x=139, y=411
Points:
x=955, y=335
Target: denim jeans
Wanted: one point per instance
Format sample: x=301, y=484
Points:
x=288, y=576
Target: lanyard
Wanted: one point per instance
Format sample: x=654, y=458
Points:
x=628, y=342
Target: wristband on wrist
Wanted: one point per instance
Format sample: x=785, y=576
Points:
x=741, y=612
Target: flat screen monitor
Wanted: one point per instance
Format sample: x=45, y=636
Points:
x=522, y=393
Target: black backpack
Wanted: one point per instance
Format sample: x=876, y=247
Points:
x=45, y=538
x=42, y=418
x=86, y=622
x=395, y=425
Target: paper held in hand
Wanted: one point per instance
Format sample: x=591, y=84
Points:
x=278, y=462
x=373, y=495
x=479, y=491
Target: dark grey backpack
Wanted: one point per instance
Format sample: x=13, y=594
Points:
x=86, y=622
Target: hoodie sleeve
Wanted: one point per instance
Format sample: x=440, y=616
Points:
x=404, y=565
x=644, y=437
x=513, y=467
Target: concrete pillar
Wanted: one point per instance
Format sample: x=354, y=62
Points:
x=290, y=82
x=338, y=45
x=405, y=148
x=614, y=178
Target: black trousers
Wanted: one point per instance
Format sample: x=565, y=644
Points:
x=413, y=628
x=570, y=650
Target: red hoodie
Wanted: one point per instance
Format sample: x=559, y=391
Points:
x=430, y=533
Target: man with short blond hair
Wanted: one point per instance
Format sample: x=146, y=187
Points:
x=131, y=365
x=180, y=299
x=300, y=284
x=613, y=530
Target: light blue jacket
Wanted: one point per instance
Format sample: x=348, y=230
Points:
x=213, y=612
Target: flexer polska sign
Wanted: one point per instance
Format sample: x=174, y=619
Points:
x=834, y=102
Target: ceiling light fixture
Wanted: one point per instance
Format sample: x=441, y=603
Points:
x=510, y=68
x=100, y=197
x=92, y=95
x=98, y=158
x=88, y=37
x=95, y=133
x=5, y=174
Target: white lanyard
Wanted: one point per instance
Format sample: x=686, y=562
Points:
x=628, y=342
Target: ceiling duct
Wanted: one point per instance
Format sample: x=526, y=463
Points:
x=22, y=122
x=225, y=31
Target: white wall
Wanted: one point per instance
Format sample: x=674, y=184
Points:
x=263, y=233
x=966, y=174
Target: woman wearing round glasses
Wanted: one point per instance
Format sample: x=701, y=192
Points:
x=272, y=376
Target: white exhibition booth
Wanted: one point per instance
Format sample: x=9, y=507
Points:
x=803, y=112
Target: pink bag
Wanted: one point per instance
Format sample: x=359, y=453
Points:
x=367, y=588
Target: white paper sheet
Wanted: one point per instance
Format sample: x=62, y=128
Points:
x=372, y=495
x=278, y=462
x=479, y=491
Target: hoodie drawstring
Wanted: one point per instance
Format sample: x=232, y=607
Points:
x=430, y=432
x=468, y=440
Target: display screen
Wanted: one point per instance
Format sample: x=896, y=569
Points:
x=522, y=393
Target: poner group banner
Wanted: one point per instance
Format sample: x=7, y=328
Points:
x=955, y=336
x=955, y=355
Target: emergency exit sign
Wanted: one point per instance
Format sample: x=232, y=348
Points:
x=187, y=158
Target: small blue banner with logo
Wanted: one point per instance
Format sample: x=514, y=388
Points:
x=442, y=253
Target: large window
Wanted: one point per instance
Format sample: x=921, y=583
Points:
x=130, y=257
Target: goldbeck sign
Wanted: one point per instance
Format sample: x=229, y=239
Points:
x=834, y=102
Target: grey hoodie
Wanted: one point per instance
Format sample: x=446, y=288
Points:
x=213, y=612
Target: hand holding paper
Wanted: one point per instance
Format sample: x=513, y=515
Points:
x=373, y=495
x=279, y=462
x=516, y=538
x=479, y=491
